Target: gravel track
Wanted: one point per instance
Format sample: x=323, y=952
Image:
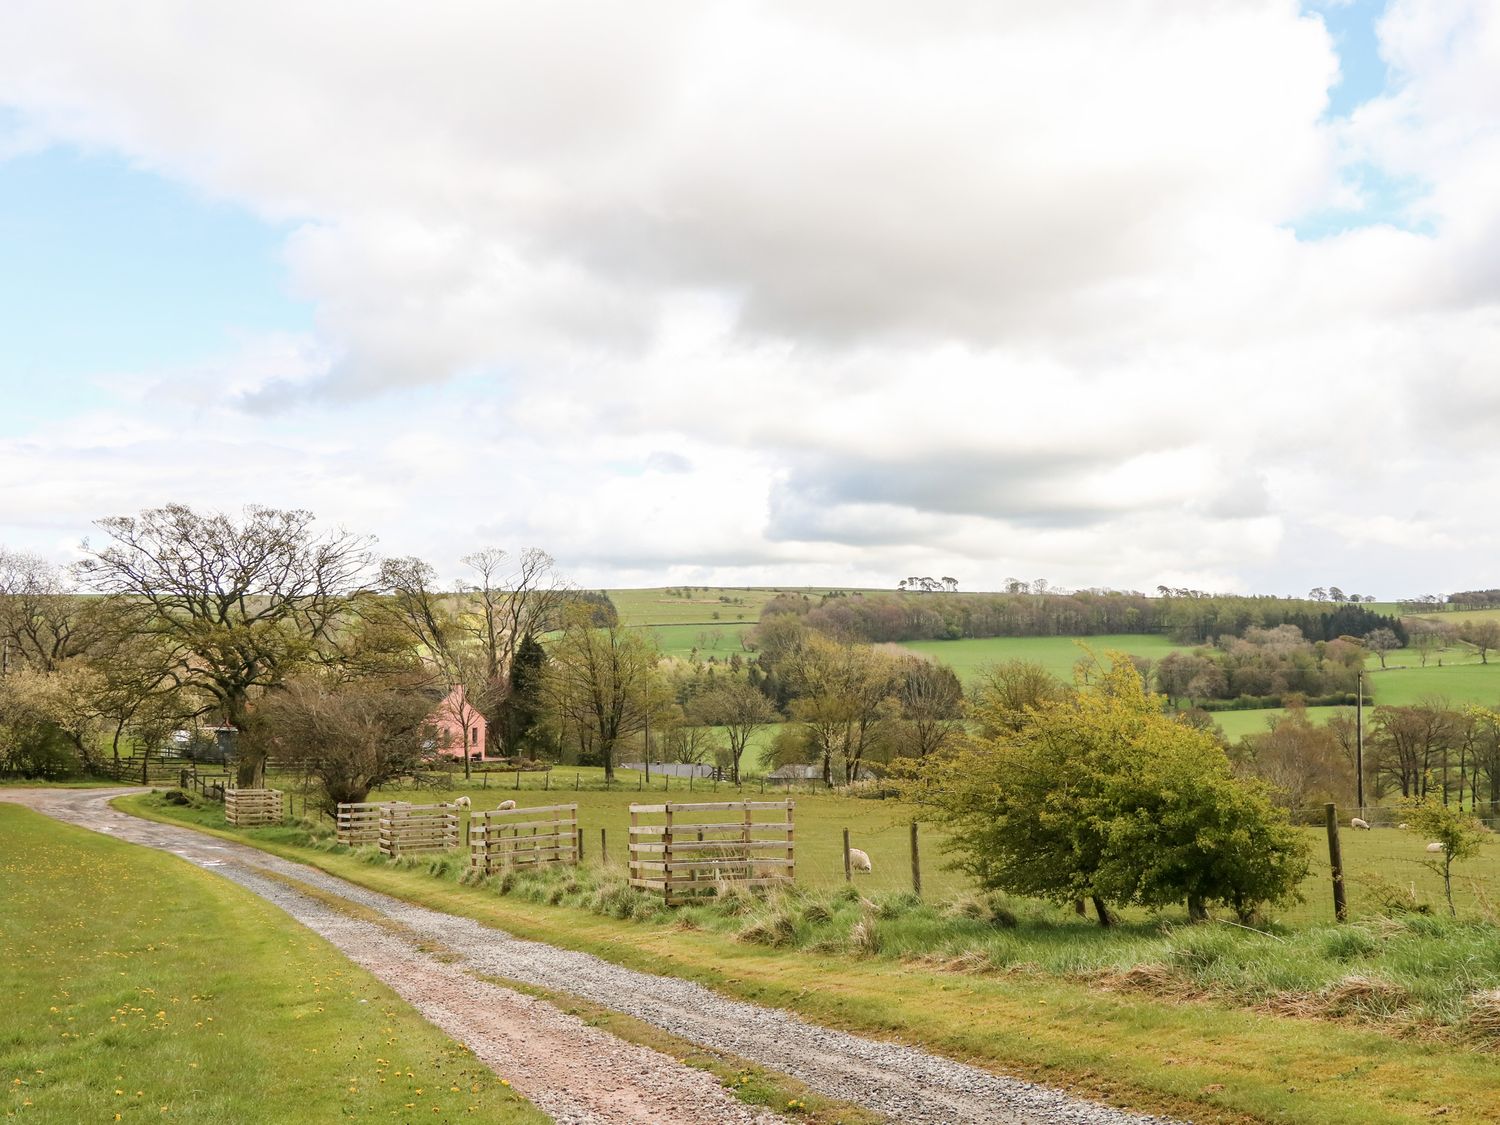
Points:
x=577, y=1073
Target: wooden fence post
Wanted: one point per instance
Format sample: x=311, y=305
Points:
x=916, y=862
x=580, y=845
x=603, y=847
x=848, y=866
x=1336, y=862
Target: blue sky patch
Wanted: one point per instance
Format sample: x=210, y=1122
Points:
x=111, y=269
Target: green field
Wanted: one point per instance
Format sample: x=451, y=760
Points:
x=1056, y=654
x=141, y=987
x=1469, y=682
x=719, y=639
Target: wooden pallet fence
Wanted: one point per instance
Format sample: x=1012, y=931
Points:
x=686, y=851
x=501, y=839
x=245, y=808
x=413, y=829
x=358, y=822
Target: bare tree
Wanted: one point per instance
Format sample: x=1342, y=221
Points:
x=43, y=620
x=1484, y=635
x=433, y=623
x=740, y=709
x=234, y=606
x=931, y=700
x=1381, y=642
x=512, y=600
x=351, y=735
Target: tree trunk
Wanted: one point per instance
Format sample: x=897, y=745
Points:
x=1105, y=917
x=1197, y=911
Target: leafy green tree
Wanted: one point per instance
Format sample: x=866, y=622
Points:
x=521, y=711
x=1006, y=693
x=1459, y=834
x=602, y=683
x=1102, y=796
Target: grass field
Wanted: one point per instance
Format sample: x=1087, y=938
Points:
x=1469, y=682
x=1116, y=1014
x=720, y=639
x=140, y=987
x=1056, y=654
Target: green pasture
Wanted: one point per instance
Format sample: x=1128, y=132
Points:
x=1057, y=654
x=141, y=987
x=719, y=639
x=1469, y=682
x=1458, y=617
x=656, y=607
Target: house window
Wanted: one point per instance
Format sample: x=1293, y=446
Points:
x=474, y=737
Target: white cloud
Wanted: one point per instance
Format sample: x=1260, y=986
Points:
x=708, y=290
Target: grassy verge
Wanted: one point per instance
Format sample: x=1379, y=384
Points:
x=141, y=988
x=1153, y=1039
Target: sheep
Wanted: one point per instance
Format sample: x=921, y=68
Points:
x=505, y=805
x=461, y=803
x=1436, y=846
x=1403, y=826
x=1355, y=822
x=858, y=860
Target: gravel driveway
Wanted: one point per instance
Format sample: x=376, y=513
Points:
x=574, y=1072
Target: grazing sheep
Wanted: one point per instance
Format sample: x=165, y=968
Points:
x=1403, y=826
x=858, y=860
x=1436, y=847
x=1355, y=822
x=505, y=805
x=461, y=803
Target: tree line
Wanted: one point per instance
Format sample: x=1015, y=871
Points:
x=881, y=618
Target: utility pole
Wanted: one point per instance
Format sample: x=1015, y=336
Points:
x=1359, y=745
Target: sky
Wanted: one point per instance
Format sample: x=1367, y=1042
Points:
x=737, y=293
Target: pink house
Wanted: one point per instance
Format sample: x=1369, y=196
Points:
x=459, y=726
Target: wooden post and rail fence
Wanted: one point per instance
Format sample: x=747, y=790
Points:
x=506, y=839
x=417, y=829
x=683, y=850
x=247, y=808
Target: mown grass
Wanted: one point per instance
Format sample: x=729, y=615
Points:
x=138, y=987
x=1205, y=1022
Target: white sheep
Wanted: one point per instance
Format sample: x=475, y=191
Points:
x=505, y=805
x=1435, y=846
x=461, y=803
x=858, y=860
x=1403, y=826
x=1355, y=822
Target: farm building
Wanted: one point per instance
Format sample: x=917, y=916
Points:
x=459, y=726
